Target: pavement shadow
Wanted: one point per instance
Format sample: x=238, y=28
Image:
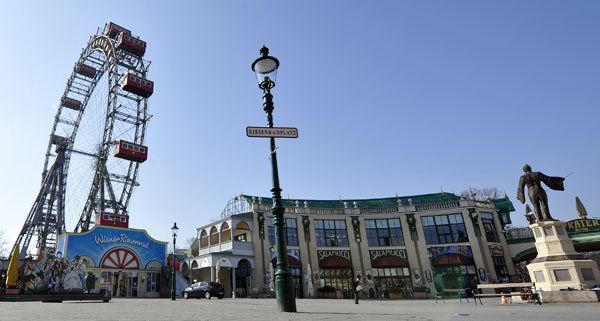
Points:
x=352, y=313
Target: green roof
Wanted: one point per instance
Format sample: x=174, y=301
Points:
x=503, y=205
x=364, y=203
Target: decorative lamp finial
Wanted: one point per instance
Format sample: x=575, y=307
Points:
x=264, y=51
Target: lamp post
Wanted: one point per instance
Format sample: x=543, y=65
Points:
x=174, y=229
x=265, y=68
x=2, y=274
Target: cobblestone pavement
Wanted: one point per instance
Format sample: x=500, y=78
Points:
x=309, y=309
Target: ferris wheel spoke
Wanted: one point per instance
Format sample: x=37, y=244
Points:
x=84, y=153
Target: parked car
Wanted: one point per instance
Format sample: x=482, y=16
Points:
x=204, y=290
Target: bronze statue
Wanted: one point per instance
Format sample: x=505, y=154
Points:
x=529, y=214
x=580, y=208
x=537, y=195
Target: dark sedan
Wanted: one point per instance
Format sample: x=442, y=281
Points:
x=204, y=290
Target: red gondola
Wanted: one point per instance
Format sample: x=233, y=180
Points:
x=131, y=151
x=86, y=70
x=70, y=103
x=112, y=219
x=131, y=44
x=138, y=85
x=59, y=140
x=113, y=30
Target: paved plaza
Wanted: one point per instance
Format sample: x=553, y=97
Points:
x=309, y=309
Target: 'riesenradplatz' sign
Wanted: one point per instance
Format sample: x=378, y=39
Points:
x=275, y=132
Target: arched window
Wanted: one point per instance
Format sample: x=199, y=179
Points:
x=225, y=233
x=214, y=236
x=120, y=258
x=242, y=226
x=243, y=263
x=203, y=239
x=185, y=270
x=241, y=232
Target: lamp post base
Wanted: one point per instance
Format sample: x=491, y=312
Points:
x=286, y=296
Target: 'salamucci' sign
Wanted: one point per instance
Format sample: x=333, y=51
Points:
x=375, y=254
x=345, y=254
x=583, y=225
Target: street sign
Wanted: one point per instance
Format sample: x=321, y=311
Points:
x=275, y=132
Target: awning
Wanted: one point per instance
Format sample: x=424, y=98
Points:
x=292, y=261
x=334, y=262
x=389, y=261
x=452, y=259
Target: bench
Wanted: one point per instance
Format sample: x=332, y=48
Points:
x=533, y=296
x=460, y=293
x=262, y=293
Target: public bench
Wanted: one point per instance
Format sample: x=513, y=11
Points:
x=459, y=293
x=262, y=293
x=530, y=295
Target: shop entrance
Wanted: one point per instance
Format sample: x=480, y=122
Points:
x=295, y=268
x=391, y=274
x=121, y=284
x=242, y=278
x=453, y=271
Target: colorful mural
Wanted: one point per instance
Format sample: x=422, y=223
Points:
x=79, y=257
x=463, y=250
x=55, y=273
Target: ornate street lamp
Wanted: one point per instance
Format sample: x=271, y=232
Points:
x=265, y=68
x=174, y=229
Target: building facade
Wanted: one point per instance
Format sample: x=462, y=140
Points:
x=127, y=262
x=400, y=245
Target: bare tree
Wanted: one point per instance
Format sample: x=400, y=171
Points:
x=194, y=250
x=481, y=194
x=189, y=241
x=3, y=244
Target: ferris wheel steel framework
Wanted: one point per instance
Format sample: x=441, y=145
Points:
x=46, y=218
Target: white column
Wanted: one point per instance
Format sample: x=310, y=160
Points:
x=233, y=282
x=212, y=274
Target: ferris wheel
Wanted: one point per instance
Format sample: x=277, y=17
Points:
x=96, y=143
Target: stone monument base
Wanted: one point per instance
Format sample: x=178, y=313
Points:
x=570, y=296
x=563, y=274
x=559, y=267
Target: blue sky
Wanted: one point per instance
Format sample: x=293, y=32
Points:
x=390, y=97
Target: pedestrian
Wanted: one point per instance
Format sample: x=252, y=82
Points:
x=356, y=287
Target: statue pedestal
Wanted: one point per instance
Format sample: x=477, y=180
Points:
x=558, y=266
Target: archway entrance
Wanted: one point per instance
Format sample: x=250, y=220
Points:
x=242, y=278
x=295, y=267
x=121, y=283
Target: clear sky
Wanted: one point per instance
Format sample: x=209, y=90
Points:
x=390, y=97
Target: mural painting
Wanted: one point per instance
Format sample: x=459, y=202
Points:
x=116, y=259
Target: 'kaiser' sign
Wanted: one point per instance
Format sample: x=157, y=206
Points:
x=583, y=225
